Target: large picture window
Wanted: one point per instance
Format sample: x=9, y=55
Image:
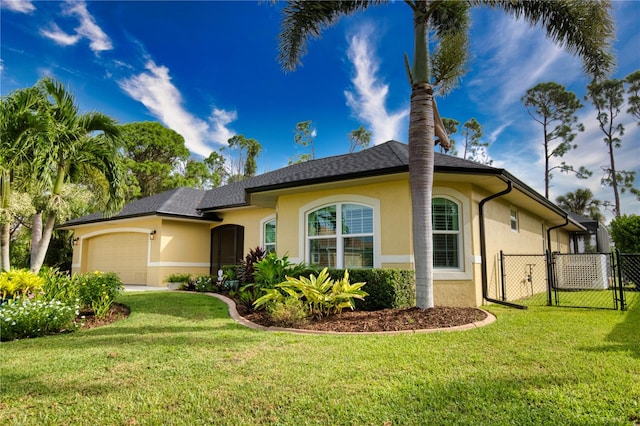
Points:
x=446, y=234
x=341, y=236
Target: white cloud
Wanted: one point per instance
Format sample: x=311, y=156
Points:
x=59, y=36
x=155, y=91
x=22, y=6
x=88, y=29
x=367, y=100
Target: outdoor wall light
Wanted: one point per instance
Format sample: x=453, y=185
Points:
x=152, y=235
x=75, y=241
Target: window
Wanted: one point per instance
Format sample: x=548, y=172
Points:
x=514, y=220
x=269, y=232
x=341, y=236
x=446, y=234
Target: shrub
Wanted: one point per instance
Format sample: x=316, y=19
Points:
x=59, y=286
x=247, y=295
x=97, y=290
x=18, y=282
x=624, y=232
x=387, y=288
x=204, y=283
x=273, y=270
x=245, y=272
x=321, y=295
x=25, y=317
x=178, y=278
x=290, y=312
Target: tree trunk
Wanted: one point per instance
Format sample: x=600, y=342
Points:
x=40, y=239
x=421, y=163
x=5, y=236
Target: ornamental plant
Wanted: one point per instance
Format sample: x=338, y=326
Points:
x=18, y=282
x=59, y=286
x=27, y=316
x=204, y=283
x=321, y=295
x=97, y=290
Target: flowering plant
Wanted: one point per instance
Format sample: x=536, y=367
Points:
x=32, y=317
x=97, y=290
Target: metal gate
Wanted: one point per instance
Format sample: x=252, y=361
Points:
x=589, y=280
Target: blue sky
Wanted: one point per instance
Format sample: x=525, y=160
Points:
x=209, y=70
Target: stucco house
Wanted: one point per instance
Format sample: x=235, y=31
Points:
x=346, y=211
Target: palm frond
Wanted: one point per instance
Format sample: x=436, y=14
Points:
x=584, y=28
x=306, y=19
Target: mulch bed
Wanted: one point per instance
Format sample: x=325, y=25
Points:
x=383, y=320
x=116, y=313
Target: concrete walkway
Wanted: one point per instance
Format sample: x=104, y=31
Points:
x=129, y=287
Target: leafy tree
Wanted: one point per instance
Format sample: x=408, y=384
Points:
x=474, y=149
x=153, y=153
x=244, y=164
x=608, y=97
x=551, y=105
x=581, y=202
x=304, y=135
x=624, y=231
x=359, y=138
x=633, y=80
x=585, y=28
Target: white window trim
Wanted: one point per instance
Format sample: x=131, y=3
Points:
x=263, y=222
x=303, y=241
x=464, y=272
x=517, y=220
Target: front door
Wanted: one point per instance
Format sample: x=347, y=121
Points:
x=227, y=245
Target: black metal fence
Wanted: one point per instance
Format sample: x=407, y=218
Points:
x=589, y=280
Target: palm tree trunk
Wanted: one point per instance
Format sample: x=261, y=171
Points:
x=5, y=236
x=421, y=162
x=40, y=241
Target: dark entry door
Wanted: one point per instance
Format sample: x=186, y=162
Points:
x=227, y=245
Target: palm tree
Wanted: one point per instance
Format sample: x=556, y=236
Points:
x=581, y=202
x=76, y=148
x=584, y=28
x=18, y=125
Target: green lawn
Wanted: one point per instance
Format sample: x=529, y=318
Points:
x=179, y=359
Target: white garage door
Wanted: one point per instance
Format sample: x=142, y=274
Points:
x=124, y=253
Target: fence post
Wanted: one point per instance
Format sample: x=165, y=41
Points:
x=549, y=262
x=620, y=282
x=504, y=290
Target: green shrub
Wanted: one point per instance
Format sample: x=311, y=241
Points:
x=205, y=283
x=178, y=278
x=246, y=295
x=59, y=286
x=290, y=312
x=18, y=282
x=97, y=290
x=387, y=288
x=24, y=317
x=230, y=272
x=273, y=270
x=321, y=295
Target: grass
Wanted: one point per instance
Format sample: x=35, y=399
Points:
x=179, y=360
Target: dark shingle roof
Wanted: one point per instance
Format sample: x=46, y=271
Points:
x=389, y=157
x=179, y=202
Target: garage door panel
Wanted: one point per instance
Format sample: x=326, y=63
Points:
x=123, y=253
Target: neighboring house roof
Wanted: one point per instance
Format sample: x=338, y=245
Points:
x=178, y=202
x=589, y=223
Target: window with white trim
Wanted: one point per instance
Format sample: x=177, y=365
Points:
x=447, y=234
x=269, y=232
x=513, y=218
x=341, y=236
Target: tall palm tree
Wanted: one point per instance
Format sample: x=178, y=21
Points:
x=581, y=202
x=583, y=27
x=18, y=125
x=76, y=147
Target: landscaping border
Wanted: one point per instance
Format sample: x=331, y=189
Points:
x=233, y=313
